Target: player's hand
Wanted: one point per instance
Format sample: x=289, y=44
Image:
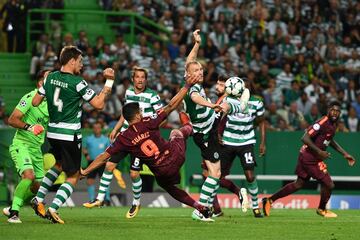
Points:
x=262, y=149
x=350, y=159
x=197, y=36
x=82, y=173
x=36, y=129
x=113, y=135
x=109, y=73
x=324, y=154
x=217, y=107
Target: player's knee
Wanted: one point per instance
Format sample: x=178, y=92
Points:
x=28, y=174
x=134, y=174
x=330, y=185
x=109, y=166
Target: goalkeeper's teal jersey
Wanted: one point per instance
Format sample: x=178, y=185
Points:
x=239, y=129
x=202, y=118
x=32, y=115
x=65, y=94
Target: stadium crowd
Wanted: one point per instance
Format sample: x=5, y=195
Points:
x=297, y=55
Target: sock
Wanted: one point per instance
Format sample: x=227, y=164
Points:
x=180, y=195
x=216, y=205
x=107, y=194
x=105, y=181
x=229, y=185
x=91, y=192
x=62, y=194
x=207, y=190
x=324, y=197
x=253, y=190
x=286, y=190
x=213, y=195
x=47, y=182
x=136, y=188
x=19, y=194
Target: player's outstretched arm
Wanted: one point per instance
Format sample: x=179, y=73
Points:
x=15, y=120
x=98, y=162
x=347, y=156
x=177, y=99
x=194, y=51
x=37, y=99
x=98, y=102
x=307, y=140
x=116, y=129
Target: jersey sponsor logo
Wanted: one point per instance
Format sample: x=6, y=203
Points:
x=316, y=126
x=23, y=103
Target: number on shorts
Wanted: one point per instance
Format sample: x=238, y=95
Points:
x=248, y=158
x=150, y=149
x=136, y=162
x=57, y=101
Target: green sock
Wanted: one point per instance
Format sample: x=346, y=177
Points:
x=253, y=190
x=136, y=188
x=62, y=194
x=207, y=190
x=19, y=194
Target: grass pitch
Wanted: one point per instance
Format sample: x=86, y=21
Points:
x=176, y=223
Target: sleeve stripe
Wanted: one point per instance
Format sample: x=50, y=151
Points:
x=321, y=122
x=81, y=85
x=41, y=91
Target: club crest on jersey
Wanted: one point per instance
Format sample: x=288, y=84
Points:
x=216, y=155
x=23, y=103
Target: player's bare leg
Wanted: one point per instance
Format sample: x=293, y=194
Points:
x=326, y=188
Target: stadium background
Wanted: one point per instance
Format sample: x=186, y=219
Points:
x=319, y=39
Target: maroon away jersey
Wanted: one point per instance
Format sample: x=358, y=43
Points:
x=321, y=133
x=143, y=140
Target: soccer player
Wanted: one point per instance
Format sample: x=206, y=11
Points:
x=223, y=182
x=202, y=115
x=238, y=139
x=149, y=102
x=65, y=91
x=25, y=149
x=94, y=145
x=164, y=158
x=311, y=161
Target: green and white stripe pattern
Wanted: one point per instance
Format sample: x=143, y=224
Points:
x=65, y=94
x=62, y=194
x=239, y=129
x=202, y=118
x=253, y=190
x=149, y=102
x=136, y=188
x=105, y=181
x=207, y=190
x=47, y=182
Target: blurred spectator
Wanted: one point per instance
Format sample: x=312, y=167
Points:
x=3, y=116
x=303, y=103
x=352, y=121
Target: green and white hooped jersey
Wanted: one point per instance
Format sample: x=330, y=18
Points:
x=65, y=93
x=149, y=102
x=239, y=129
x=202, y=118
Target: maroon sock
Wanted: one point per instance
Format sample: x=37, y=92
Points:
x=186, y=130
x=180, y=195
x=286, y=190
x=216, y=205
x=324, y=197
x=229, y=185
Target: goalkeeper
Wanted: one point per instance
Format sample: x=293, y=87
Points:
x=25, y=149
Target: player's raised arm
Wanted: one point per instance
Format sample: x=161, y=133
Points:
x=347, y=156
x=194, y=51
x=98, y=162
x=177, y=99
x=98, y=102
x=116, y=129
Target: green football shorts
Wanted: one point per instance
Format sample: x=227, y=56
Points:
x=26, y=157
